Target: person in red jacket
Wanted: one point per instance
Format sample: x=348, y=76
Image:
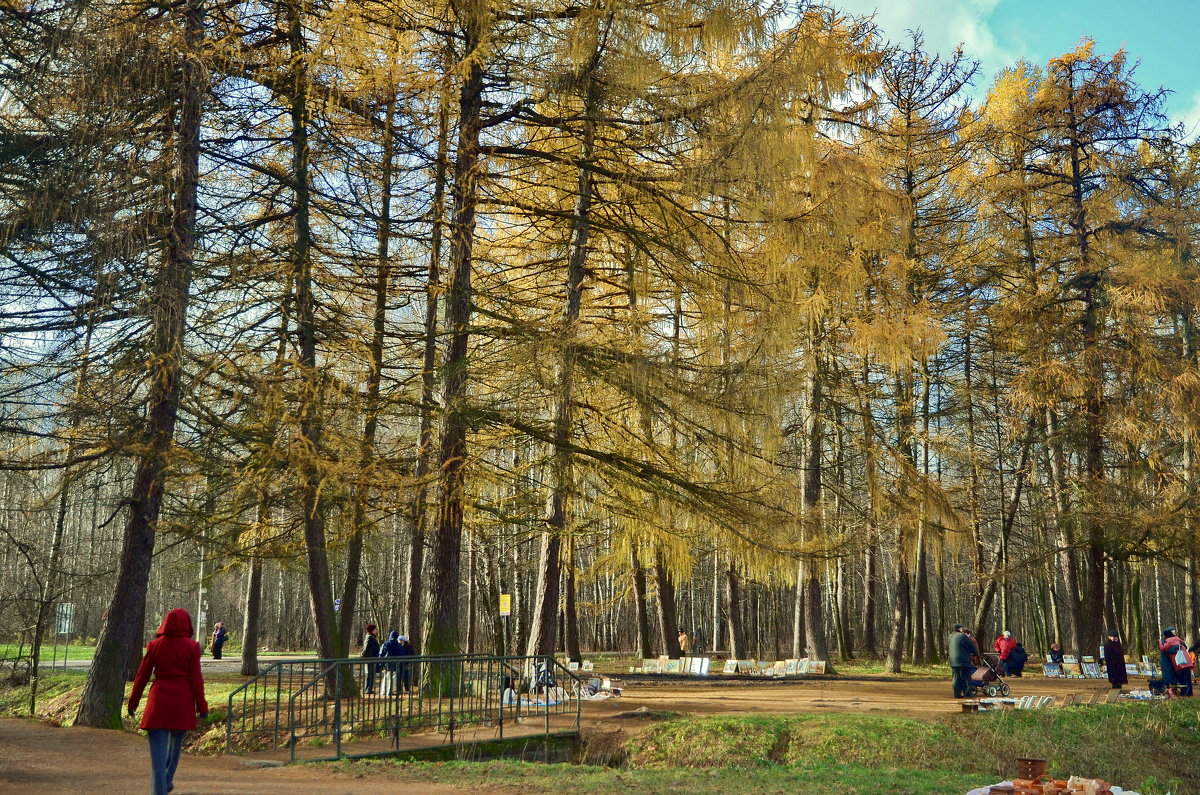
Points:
x=1004, y=646
x=175, y=697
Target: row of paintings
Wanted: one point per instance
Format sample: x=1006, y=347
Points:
x=778, y=668
x=695, y=666
x=702, y=666
x=1092, y=670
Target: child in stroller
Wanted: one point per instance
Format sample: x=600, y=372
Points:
x=988, y=678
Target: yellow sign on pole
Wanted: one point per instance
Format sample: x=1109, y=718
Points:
x=506, y=604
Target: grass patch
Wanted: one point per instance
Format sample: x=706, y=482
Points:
x=1154, y=748
x=532, y=777
x=1084, y=741
x=80, y=652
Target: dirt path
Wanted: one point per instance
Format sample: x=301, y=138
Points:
x=35, y=758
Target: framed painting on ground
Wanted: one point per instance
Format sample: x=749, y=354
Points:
x=1052, y=670
x=730, y=667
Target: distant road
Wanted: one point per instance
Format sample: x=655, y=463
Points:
x=225, y=665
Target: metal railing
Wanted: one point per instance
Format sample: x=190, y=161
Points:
x=385, y=705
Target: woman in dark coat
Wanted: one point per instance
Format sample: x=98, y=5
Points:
x=175, y=697
x=1017, y=657
x=1114, y=661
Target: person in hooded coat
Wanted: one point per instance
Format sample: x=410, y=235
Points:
x=391, y=648
x=176, y=695
x=1114, y=661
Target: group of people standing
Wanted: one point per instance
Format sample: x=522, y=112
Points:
x=396, y=675
x=1176, y=660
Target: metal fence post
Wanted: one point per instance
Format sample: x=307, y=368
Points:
x=337, y=708
x=278, y=688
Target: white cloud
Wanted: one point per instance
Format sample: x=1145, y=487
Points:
x=946, y=24
x=1190, y=116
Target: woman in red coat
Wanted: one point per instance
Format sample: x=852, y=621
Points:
x=175, y=697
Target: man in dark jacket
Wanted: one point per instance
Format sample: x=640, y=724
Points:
x=370, y=651
x=962, y=649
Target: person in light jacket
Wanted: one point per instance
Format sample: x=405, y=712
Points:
x=176, y=696
x=1171, y=673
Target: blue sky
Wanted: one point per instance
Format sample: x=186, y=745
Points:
x=1162, y=35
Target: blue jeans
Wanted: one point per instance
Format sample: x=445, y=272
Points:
x=165, y=745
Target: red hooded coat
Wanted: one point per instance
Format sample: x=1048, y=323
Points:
x=178, y=690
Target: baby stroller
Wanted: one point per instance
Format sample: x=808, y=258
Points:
x=989, y=677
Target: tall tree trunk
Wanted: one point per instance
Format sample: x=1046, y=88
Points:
x=639, y=596
x=383, y=271
x=871, y=555
x=1064, y=534
x=870, y=592
x=666, y=608
x=900, y=609
x=447, y=542
x=320, y=583
x=737, y=646
x=121, y=636
x=416, y=553
x=798, y=639
x=541, y=640
x=814, y=603
x=571, y=616
x=250, y=617
x=984, y=606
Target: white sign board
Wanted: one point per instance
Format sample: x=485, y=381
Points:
x=64, y=618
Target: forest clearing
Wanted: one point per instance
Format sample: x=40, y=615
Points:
x=510, y=335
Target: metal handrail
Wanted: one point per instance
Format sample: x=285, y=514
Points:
x=262, y=696
x=302, y=702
